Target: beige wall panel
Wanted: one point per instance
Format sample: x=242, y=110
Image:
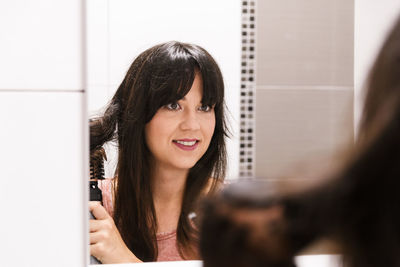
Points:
x=296, y=125
x=305, y=42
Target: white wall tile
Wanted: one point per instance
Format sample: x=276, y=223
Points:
x=43, y=179
x=98, y=97
x=137, y=25
x=97, y=36
x=41, y=44
x=373, y=21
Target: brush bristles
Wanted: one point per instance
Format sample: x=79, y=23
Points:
x=97, y=164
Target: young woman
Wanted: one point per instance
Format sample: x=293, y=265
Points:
x=358, y=208
x=167, y=117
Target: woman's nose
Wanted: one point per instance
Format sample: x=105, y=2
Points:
x=190, y=121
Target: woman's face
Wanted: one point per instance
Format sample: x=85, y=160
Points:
x=179, y=133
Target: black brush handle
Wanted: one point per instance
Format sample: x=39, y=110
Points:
x=95, y=195
x=96, y=173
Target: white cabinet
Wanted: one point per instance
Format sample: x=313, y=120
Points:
x=44, y=169
x=41, y=45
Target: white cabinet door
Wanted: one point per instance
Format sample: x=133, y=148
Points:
x=43, y=174
x=41, y=44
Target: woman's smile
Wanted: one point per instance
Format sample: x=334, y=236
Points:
x=186, y=144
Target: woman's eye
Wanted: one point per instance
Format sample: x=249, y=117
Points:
x=205, y=108
x=173, y=106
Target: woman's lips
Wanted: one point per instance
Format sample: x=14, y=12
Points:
x=186, y=144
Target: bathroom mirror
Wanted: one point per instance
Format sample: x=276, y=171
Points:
x=119, y=30
x=287, y=67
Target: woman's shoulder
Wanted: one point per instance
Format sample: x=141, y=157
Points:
x=107, y=189
x=107, y=183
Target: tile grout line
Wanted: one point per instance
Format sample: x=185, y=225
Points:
x=42, y=91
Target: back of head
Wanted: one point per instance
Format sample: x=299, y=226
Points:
x=371, y=203
x=382, y=87
x=359, y=207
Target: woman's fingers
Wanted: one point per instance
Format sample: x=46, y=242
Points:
x=97, y=237
x=96, y=250
x=98, y=211
x=106, y=243
x=95, y=225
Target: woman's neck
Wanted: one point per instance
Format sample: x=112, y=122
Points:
x=168, y=187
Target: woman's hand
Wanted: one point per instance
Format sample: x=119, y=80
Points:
x=106, y=243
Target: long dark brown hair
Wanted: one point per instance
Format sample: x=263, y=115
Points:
x=160, y=75
x=359, y=207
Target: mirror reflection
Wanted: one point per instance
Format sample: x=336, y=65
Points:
x=168, y=120
x=160, y=111
x=288, y=71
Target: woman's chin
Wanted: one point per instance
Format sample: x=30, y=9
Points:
x=186, y=165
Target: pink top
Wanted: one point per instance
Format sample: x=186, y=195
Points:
x=166, y=242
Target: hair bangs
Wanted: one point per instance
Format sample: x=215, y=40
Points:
x=170, y=83
x=173, y=70
x=213, y=84
x=213, y=90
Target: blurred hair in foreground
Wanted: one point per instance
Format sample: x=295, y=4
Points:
x=252, y=223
